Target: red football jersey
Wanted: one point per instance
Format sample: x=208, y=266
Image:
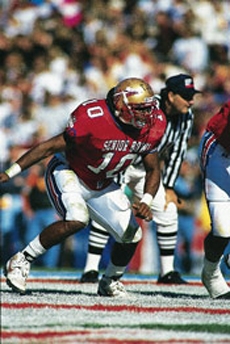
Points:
x=100, y=148
x=219, y=125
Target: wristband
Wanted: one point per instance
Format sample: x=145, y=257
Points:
x=13, y=170
x=147, y=199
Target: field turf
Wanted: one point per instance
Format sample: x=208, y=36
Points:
x=59, y=309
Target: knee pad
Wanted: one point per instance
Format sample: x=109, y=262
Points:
x=76, y=209
x=219, y=213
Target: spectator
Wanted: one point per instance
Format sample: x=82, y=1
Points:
x=189, y=50
x=11, y=210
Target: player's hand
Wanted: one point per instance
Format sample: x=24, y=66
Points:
x=4, y=177
x=171, y=196
x=143, y=211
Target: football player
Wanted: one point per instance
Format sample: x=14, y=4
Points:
x=176, y=101
x=215, y=164
x=102, y=138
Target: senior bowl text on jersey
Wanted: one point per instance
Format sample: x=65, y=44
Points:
x=101, y=148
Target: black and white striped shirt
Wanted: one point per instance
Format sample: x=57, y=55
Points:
x=173, y=145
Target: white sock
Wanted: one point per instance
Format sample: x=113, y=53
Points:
x=210, y=267
x=114, y=270
x=166, y=264
x=34, y=249
x=92, y=262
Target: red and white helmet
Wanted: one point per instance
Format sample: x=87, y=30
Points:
x=134, y=102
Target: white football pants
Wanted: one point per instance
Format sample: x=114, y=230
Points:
x=73, y=200
x=215, y=164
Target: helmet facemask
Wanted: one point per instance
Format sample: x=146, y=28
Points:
x=134, y=102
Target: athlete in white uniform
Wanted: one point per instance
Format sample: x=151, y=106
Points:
x=103, y=137
x=215, y=164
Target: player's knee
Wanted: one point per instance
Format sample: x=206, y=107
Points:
x=77, y=213
x=72, y=227
x=78, y=216
x=132, y=235
x=220, y=222
x=76, y=209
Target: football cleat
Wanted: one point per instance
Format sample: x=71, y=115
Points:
x=172, y=277
x=215, y=283
x=225, y=296
x=16, y=271
x=110, y=287
x=90, y=276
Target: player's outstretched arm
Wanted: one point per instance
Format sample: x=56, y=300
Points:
x=34, y=155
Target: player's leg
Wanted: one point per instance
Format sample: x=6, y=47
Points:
x=166, y=221
x=227, y=257
x=120, y=257
x=214, y=246
x=98, y=238
x=217, y=192
x=166, y=224
x=112, y=210
x=167, y=227
x=65, y=194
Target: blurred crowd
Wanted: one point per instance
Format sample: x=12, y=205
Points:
x=55, y=54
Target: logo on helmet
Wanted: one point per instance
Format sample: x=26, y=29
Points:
x=134, y=101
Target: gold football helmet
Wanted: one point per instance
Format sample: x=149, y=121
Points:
x=134, y=102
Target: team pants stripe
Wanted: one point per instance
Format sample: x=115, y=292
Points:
x=52, y=188
x=209, y=144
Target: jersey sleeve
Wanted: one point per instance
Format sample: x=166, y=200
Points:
x=219, y=125
x=77, y=129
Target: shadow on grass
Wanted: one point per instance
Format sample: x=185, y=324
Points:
x=172, y=295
